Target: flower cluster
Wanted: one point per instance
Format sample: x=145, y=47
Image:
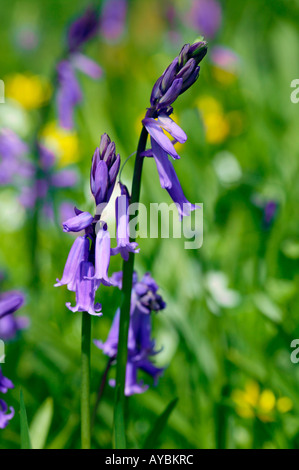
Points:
x=141, y=347
x=89, y=258
x=69, y=92
x=10, y=302
x=176, y=79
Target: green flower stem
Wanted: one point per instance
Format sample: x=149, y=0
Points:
x=85, y=381
x=122, y=354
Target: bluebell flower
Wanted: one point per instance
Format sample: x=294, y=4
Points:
x=10, y=302
x=124, y=246
x=113, y=19
x=176, y=79
x=69, y=92
x=89, y=258
x=141, y=347
x=5, y=385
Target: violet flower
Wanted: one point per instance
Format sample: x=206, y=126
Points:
x=69, y=92
x=124, y=246
x=10, y=302
x=176, y=79
x=206, y=17
x=5, y=417
x=12, y=161
x=89, y=258
x=83, y=29
x=270, y=212
x=48, y=179
x=11, y=325
x=141, y=347
x=113, y=19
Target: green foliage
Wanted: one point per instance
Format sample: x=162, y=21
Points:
x=232, y=305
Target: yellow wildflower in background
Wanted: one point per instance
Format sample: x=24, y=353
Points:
x=31, y=91
x=224, y=77
x=62, y=142
x=215, y=122
x=252, y=402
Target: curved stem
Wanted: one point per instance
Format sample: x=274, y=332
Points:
x=122, y=354
x=101, y=390
x=85, y=381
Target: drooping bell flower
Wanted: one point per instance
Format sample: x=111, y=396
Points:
x=10, y=302
x=141, y=347
x=5, y=385
x=89, y=258
x=176, y=79
x=69, y=92
x=10, y=325
x=124, y=246
x=4, y=416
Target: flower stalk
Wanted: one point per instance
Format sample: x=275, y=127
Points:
x=128, y=269
x=85, y=381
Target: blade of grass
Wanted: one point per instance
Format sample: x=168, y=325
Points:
x=152, y=440
x=25, y=438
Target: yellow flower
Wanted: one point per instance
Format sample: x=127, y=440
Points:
x=252, y=402
x=267, y=401
x=215, y=122
x=207, y=104
x=222, y=76
x=62, y=142
x=217, y=127
x=284, y=404
x=31, y=91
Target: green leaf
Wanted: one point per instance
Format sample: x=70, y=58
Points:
x=152, y=439
x=25, y=438
x=41, y=423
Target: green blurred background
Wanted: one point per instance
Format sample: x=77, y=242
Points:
x=232, y=305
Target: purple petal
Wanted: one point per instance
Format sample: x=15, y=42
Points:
x=172, y=93
x=4, y=416
x=172, y=128
x=5, y=383
x=102, y=257
x=86, y=65
x=78, y=253
x=68, y=95
x=85, y=291
x=100, y=182
x=155, y=131
x=78, y=223
x=10, y=302
x=177, y=195
x=163, y=165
